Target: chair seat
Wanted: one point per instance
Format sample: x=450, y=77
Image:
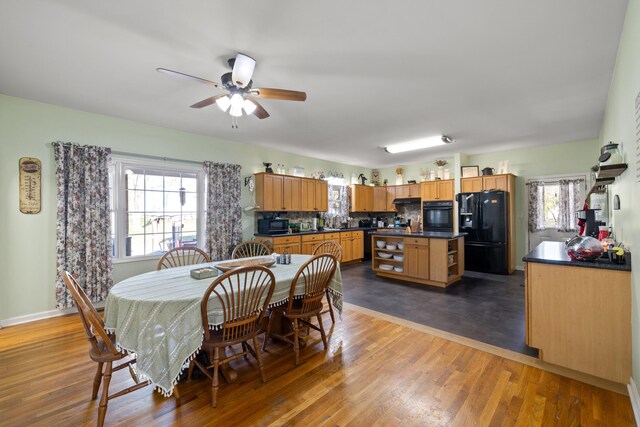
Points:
x=216, y=339
x=103, y=353
x=296, y=309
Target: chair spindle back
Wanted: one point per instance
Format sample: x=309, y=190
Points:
x=316, y=274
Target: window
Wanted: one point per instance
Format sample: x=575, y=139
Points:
x=155, y=206
x=553, y=203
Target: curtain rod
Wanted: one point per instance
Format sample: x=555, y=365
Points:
x=553, y=181
x=149, y=156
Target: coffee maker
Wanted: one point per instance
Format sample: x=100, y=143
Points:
x=592, y=227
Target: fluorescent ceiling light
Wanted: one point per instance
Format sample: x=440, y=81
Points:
x=418, y=144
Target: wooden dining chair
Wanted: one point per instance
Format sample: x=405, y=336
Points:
x=331, y=248
x=184, y=255
x=316, y=274
x=249, y=249
x=103, y=349
x=244, y=294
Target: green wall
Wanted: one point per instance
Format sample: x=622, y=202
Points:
x=546, y=160
x=620, y=126
x=26, y=130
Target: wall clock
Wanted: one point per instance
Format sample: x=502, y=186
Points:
x=250, y=183
x=375, y=177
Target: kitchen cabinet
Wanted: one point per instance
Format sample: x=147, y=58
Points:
x=441, y=189
x=282, y=244
x=471, y=185
x=315, y=196
x=418, y=259
x=276, y=193
x=505, y=182
x=380, y=199
x=391, y=196
x=580, y=317
x=309, y=242
x=361, y=198
x=409, y=190
x=352, y=243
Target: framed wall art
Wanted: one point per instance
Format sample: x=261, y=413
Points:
x=469, y=171
x=29, y=184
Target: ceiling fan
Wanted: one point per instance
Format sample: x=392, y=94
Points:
x=240, y=96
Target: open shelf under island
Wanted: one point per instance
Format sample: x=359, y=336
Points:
x=428, y=258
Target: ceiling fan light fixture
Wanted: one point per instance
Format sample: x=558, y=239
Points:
x=418, y=144
x=235, y=111
x=243, y=70
x=224, y=103
x=249, y=107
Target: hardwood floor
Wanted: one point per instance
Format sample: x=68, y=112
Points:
x=375, y=373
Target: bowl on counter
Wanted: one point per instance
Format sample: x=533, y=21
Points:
x=398, y=269
x=398, y=257
x=381, y=244
x=391, y=247
x=400, y=246
x=387, y=267
x=384, y=255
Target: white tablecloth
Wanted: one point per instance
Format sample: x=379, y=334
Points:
x=156, y=315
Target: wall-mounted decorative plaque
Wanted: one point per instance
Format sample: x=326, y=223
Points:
x=29, y=184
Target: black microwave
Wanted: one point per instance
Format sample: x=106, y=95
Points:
x=273, y=226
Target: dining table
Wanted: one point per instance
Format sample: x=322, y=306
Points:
x=156, y=315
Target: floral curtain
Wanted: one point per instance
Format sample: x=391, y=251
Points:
x=569, y=204
x=224, y=214
x=83, y=231
x=536, y=205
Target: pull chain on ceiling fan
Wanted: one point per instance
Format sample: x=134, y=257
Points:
x=240, y=96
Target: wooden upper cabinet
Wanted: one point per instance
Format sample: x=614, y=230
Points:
x=391, y=196
x=291, y=192
x=471, y=185
x=503, y=182
x=437, y=190
x=269, y=190
x=361, y=198
x=315, y=197
x=321, y=196
x=380, y=199
x=495, y=182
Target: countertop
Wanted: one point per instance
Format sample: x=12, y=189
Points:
x=556, y=253
x=425, y=234
x=330, y=230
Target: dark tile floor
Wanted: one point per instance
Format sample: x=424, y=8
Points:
x=483, y=307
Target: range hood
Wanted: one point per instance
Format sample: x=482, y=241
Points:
x=406, y=201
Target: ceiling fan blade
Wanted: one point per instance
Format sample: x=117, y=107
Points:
x=282, y=94
x=259, y=112
x=189, y=77
x=207, y=102
x=242, y=70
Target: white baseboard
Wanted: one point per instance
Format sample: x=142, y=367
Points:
x=520, y=267
x=42, y=315
x=635, y=399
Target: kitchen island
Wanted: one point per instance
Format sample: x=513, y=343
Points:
x=578, y=313
x=427, y=258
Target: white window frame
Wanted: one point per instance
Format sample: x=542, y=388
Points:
x=121, y=163
x=549, y=178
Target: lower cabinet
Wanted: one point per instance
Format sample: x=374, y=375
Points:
x=580, y=318
x=310, y=242
x=351, y=242
x=416, y=258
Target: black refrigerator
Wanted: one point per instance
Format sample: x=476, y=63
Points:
x=484, y=216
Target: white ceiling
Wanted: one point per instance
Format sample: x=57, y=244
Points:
x=493, y=74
